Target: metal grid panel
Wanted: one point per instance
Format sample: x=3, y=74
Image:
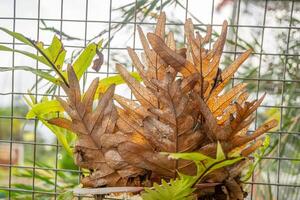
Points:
x=278, y=187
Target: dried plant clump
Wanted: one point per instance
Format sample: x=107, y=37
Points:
x=180, y=107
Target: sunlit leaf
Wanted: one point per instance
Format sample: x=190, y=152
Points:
x=55, y=52
x=31, y=55
x=42, y=111
x=61, y=135
x=39, y=72
x=117, y=80
x=43, y=108
x=225, y=163
x=85, y=58
x=18, y=36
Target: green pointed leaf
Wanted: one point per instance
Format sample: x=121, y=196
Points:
x=225, y=163
x=30, y=55
x=39, y=72
x=85, y=59
x=117, y=80
x=61, y=135
x=55, y=52
x=48, y=109
x=43, y=108
x=18, y=36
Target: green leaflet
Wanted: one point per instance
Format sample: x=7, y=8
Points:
x=182, y=187
x=85, y=58
x=224, y=163
x=46, y=110
x=39, y=72
x=55, y=52
x=61, y=135
x=43, y=175
x=30, y=55
x=16, y=35
x=196, y=156
x=53, y=56
x=257, y=157
x=117, y=80
x=43, y=108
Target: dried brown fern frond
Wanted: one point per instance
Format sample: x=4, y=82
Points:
x=187, y=113
x=90, y=125
x=181, y=107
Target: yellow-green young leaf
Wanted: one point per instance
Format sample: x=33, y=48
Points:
x=32, y=98
x=44, y=108
x=85, y=59
x=29, y=99
x=55, y=52
x=64, y=136
x=225, y=163
x=220, y=153
x=117, y=80
x=61, y=135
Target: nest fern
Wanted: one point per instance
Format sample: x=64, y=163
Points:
x=182, y=188
x=178, y=189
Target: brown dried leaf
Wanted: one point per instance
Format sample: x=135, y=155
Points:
x=178, y=62
x=145, y=97
x=90, y=125
x=98, y=62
